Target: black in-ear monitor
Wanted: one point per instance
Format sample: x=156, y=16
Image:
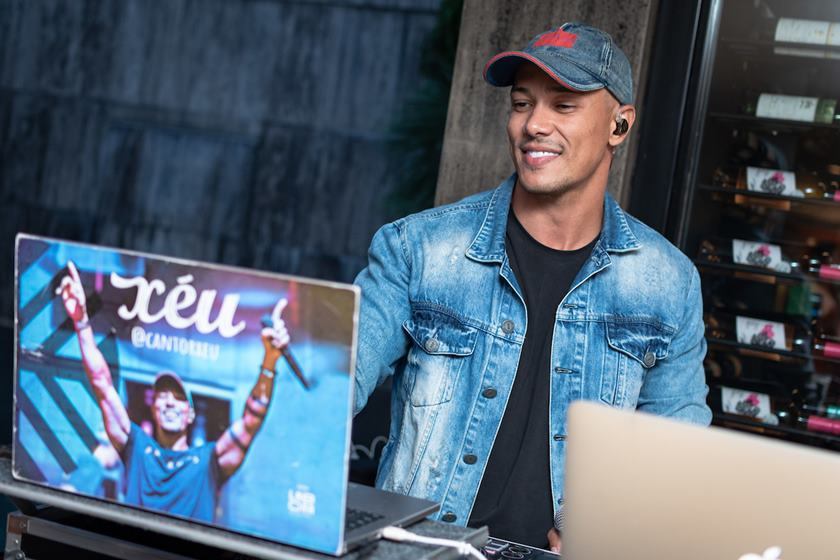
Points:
x=621, y=126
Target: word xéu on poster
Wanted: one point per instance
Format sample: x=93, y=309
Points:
x=182, y=297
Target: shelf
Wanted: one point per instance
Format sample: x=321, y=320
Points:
x=770, y=124
x=743, y=423
x=754, y=349
x=821, y=202
x=766, y=272
x=751, y=270
x=769, y=49
x=816, y=211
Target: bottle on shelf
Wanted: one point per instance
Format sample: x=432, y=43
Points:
x=818, y=185
x=757, y=405
x=743, y=252
x=829, y=410
x=806, y=31
x=811, y=422
x=757, y=179
x=760, y=254
x=827, y=347
x=723, y=365
x=774, y=409
x=814, y=186
x=766, y=27
x=769, y=335
x=793, y=108
x=822, y=267
x=799, y=184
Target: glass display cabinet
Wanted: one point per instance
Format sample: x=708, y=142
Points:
x=760, y=215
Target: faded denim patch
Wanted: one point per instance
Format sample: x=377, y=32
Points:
x=441, y=342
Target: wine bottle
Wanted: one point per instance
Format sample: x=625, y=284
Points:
x=757, y=179
x=723, y=365
x=803, y=183
x=774, y=409
x=757, y=405
x=811, y=32
x=749, y=253
x=793, y=108
x=771, y=335
x=827, y=410
x=810, y=422
x=823, y=270
x=827, y=348
x=812, y=185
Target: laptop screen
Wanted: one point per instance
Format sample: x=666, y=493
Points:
x=640, y=486
x=141, y=380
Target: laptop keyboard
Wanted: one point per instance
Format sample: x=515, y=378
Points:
x=356, y=518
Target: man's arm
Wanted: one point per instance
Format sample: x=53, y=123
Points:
x=384, y=308
x=234, y=443
x=676, y=386
x=114, y=414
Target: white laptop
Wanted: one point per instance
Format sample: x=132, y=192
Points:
x=157, y=399
x=644, y=487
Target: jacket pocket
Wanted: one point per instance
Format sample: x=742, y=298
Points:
x=634, y=348
x=441, y=345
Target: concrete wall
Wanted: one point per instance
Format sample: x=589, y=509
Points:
x=475, y=155
x=256, y=133
x=247, y=132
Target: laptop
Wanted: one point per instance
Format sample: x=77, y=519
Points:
x=645, y=487
x=162, y=385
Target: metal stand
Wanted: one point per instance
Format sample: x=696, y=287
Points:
x=80, y=527
x=33, y=538
x=39, y=538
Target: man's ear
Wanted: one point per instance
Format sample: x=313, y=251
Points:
x=624, y=118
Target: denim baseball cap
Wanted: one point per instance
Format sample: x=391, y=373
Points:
x=577, y=56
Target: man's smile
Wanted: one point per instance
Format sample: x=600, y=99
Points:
x=536, y=156
x=171, y=414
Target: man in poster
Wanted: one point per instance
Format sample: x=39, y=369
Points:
x=162, y=471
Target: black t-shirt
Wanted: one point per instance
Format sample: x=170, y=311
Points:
x=514, y=499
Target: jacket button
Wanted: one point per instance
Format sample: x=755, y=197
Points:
x=431, y=345
x=508, y=326
x=489, y=393
x=650, y=359
x=449, y=517
x=470, y=459
x=558, y=437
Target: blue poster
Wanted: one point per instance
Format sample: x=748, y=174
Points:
x=215, y=394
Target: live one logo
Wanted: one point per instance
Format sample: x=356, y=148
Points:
x=181, y=297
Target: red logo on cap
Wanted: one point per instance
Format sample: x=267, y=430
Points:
x=557, y=38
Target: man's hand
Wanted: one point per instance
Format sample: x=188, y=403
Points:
x=73, y=295
x=275, y=338
x=554, y=542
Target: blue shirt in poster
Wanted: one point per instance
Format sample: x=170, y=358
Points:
x=179, y=482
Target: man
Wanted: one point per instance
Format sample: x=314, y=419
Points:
x=163, y=472
x=494, y=313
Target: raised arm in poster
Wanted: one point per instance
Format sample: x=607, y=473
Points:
x=163, y=471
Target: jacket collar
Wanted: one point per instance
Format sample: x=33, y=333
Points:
x=489, y=244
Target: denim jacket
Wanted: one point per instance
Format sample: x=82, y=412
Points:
x=442, y=312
